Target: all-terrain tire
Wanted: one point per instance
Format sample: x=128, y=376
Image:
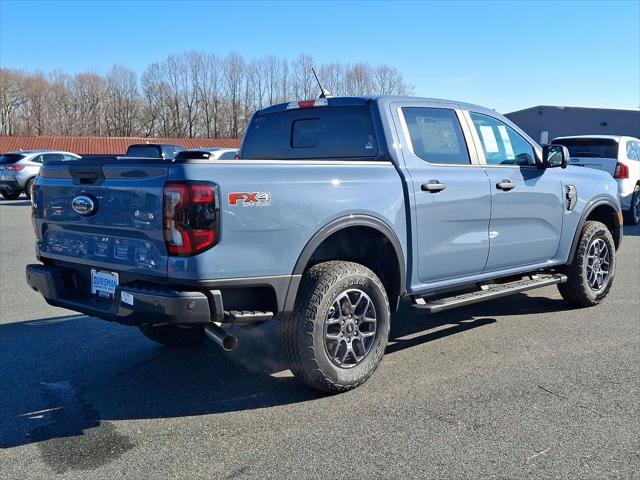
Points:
x=577, y=290
x=178, y=336
x=303, y=331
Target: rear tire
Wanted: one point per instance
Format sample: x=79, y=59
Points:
x=28, y=187
x=590, y=274
x=336, y=336
x=11, y=195
x=633, y=215
x=178, y=336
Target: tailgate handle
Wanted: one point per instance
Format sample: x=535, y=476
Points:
x=86, y=178
x=86, y=175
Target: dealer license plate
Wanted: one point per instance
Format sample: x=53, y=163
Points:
x=103, y=284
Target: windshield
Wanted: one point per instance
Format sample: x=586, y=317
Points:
x=9, y=158
x=590, y=147
x=315, y=133
x=145, y=151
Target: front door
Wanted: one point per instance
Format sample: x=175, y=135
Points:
x=452, y=198
x=527, y=202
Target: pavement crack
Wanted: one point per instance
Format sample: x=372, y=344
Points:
x=551, y=392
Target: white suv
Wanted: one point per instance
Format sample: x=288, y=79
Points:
x=618, y=155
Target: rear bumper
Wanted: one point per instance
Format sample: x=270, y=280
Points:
x=9, y=185
x=131, y=305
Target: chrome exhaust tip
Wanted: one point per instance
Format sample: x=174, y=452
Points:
x=226, y=341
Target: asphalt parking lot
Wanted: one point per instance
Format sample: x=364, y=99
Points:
x=520, y=388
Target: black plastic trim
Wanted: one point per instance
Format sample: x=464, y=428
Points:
x=278, y=283
x=340, y=224
x=583, y=218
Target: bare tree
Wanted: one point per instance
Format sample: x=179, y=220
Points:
x=207, y=78
x=122, y=101
x=234, y=73
x=37, y=105
x=88, y=90
x=304, y=84
x=388, y=81
x=191, y=94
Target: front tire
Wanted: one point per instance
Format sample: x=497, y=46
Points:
x=590, y=274
x=336, y=336
x=179, y=336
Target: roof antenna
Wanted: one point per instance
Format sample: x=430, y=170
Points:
x=323, y=92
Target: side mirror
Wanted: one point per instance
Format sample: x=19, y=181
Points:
x=555, y=156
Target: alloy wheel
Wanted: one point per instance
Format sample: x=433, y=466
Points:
x=350, y=328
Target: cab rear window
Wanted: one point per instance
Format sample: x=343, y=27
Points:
x=317, y=133
x=144, y=151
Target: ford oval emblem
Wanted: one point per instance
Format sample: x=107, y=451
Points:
x=83, y=205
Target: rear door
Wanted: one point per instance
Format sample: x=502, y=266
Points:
x=452, y=199
x=105, y=214
x=527, y=202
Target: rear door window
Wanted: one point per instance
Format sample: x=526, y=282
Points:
x=344, y=132
x=228, y=156
x=501, y=144
x=436, y=136
x=52, y=157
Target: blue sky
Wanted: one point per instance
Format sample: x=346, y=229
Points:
x=504, y=55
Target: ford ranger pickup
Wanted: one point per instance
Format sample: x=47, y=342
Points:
x=336, y=209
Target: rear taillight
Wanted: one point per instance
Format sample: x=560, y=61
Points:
x=191, y=217
x=13, y=168
x=622, y=171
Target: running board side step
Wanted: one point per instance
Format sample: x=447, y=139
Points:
x=488, y=293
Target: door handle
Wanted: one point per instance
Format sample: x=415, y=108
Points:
x=505, y=185
x=433, y=186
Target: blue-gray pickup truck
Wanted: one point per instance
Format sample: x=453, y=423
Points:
x=336, y=209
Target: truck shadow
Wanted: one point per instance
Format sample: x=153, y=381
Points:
x=64, y=377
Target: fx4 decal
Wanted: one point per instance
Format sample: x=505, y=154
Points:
x=250, y=199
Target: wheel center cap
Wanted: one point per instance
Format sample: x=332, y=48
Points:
x=350, y=328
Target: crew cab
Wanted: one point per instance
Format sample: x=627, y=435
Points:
x=335, y=210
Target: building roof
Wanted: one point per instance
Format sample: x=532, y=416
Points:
x=561, y=107
x=104, y=145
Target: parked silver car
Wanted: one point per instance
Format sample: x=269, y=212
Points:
x=19, y=169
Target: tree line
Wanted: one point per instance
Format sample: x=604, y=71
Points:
x=193, y=94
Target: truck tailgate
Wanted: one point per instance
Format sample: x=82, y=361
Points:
x=105, y=214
